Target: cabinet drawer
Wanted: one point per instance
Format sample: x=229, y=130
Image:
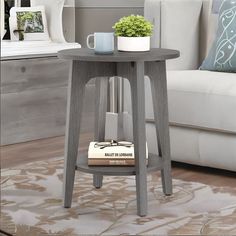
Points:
x=30, y=74
x=32, y=115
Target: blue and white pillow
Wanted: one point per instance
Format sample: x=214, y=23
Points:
x=222, y=56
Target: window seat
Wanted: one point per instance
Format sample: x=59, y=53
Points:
x=32, y=49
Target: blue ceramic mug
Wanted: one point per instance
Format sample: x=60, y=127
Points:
x=103, y=42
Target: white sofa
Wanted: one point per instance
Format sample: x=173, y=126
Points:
x=202, y=104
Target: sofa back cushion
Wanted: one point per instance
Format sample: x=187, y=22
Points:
x=152, y=12
x=180, y=21
x=179, y=24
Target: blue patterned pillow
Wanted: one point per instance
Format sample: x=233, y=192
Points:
x=222, y=56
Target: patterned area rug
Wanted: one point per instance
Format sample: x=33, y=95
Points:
x=32, y=205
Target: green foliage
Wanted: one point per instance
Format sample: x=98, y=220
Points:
x=133, y=26
x=31, y=20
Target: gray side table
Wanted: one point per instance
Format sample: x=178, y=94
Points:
x=86, y=65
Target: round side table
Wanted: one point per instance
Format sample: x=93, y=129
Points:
x=133, y=66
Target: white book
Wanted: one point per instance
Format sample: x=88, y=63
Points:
x=112, y=152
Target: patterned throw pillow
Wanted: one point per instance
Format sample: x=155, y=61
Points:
x=222, y=56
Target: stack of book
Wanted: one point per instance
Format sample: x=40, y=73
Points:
x=112, y=153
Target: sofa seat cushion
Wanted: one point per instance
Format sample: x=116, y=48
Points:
x=203, y=98
x=24, y=49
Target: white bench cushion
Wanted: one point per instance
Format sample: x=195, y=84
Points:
x=203, y=98
x=10, y=49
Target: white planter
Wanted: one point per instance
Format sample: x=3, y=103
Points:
x=133, y=44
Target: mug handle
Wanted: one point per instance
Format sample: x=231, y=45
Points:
x=88, y=45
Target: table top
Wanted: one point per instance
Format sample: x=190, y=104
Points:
x=84, y=54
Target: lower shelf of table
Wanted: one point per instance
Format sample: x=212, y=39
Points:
x=154, y=163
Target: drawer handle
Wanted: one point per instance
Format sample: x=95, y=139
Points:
x=23, y=69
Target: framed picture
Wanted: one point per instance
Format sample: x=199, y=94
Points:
x=28, y=23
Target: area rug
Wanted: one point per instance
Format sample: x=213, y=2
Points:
x=31, y=199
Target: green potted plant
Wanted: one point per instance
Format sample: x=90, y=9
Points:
x=133, y=33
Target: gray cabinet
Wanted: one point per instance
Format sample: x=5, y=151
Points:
x=33, y=99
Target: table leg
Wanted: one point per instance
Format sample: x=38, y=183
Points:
x=157, y=74
x=100, y=118
x=139, y=134
x=76, y=89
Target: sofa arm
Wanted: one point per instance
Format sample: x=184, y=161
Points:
x=152, y=12
x=179, y=22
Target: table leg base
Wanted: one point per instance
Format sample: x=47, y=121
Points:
x=97, y=181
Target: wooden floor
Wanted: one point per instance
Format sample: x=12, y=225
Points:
x=16, y=154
